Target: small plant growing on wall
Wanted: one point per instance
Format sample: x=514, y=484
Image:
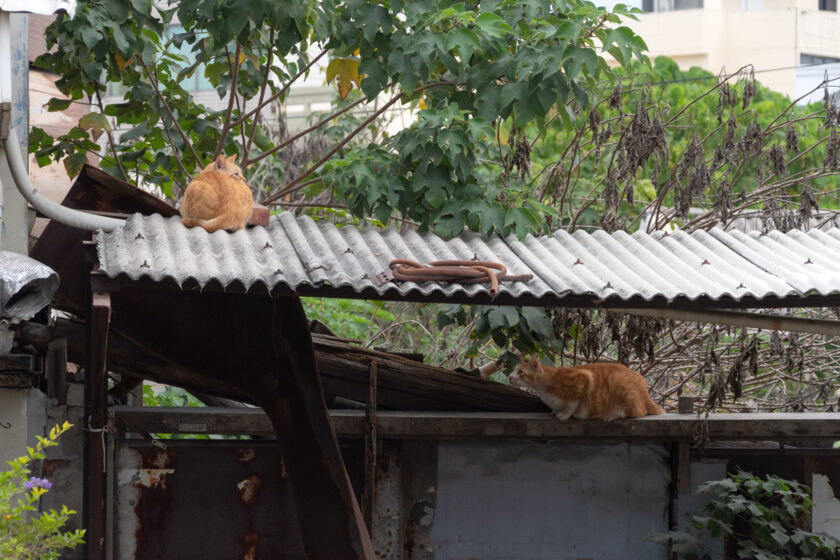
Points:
x=768, y=517
x=24, y=533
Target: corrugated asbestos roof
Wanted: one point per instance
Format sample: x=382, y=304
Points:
x=321, y=259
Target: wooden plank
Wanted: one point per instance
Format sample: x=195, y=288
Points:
x=16, y=363
x=448, y=425
x=402, y=383
x=56, y=368
x=405, y=384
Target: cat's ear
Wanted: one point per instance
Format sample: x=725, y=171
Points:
x=231, y=159
x=221, y=162
x=533, y=361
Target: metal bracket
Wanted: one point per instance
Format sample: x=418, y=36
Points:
x=5, y=119
x=383, y=278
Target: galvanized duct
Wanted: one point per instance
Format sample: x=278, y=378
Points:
x=26, y=286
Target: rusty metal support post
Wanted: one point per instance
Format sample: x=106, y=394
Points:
x=369, y=497
x=329, y=519
x=96, y=418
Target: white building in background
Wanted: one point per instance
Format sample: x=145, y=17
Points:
x=792, y=44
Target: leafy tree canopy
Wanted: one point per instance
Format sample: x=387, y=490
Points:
x=471, y=66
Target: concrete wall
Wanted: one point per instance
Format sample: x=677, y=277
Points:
x=725, y=33
x=24, y=412
x=14, y=217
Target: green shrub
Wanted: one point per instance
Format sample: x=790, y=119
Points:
x=774, y=513
x=24, y=533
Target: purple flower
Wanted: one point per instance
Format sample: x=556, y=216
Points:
x=36, y=482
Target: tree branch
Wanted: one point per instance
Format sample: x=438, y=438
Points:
x=226, y=126
x=263, y=87
x=294, y=185
x=163, y=102
x=111, y=139
x=279, y=93
x=288, y=141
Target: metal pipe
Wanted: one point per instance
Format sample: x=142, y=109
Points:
x=67, y=216
x=741, y=319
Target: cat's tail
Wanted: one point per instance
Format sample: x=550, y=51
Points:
x=210, y=225
x=653, y=408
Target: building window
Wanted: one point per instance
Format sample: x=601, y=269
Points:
x=813, y=59
x=828, y=5
x=198, y=81
x=672, y=5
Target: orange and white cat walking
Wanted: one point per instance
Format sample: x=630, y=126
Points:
x=218, y=198
x=601, y=390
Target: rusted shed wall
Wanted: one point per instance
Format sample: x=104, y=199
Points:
x=199, y=499
x=498, y=499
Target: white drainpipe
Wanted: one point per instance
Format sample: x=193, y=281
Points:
x=9, y=145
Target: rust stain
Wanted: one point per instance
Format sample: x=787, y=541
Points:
x=249, y=545
x=154, y=498
x=49, y=466
x=160, y=458
x=246, y=454
x=249, y=489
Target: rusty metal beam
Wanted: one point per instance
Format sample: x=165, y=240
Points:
x=96, y=415
x=292, y=397
x=369, y=496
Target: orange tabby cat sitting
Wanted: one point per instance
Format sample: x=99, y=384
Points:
x=600, y=390
x=218, y=198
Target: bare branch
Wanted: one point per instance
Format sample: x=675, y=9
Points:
x=263, y=87
x=111, y=141
x=156, y=86
x=226, y=126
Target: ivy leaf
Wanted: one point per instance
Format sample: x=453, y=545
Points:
x=73, y=164
x=96, y=122
x=347, y=72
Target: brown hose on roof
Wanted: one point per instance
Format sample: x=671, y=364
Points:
x=462, y=272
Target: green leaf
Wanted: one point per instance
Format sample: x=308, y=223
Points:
x=56, y=104
x=464, y=41
x=538, y=321
x=90, y=37
x=494, y=26
x=97, y=122
x=383, y=213
x=142, y=6
x=73, y=164
x=503, y=316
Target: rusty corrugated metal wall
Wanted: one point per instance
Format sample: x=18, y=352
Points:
x=497, y=499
